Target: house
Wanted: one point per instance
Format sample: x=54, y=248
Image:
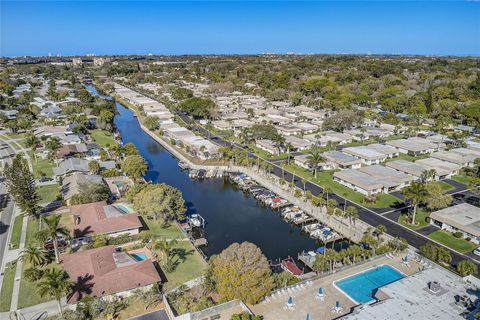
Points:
x=387, y=150
x=298, y=143
x=457, y=158
x=464, y=218
x=71, y=184
x=68, y=150
x=443, y=169
x=332, y=137
x=367, y=155
x=97, y=218
x=105, y=271
x=412, y=168
x=267, y=145
x=466, y=129
x=303, y=161
x=72, y=165
x=359, y=181
x=340, y=160
x=373, y=179
x=51, y=112
x=414, y=146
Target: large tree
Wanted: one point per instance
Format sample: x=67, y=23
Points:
x=90, y=192
x=160, y=201
x=437, y=197
x=242, y=272
x=21, y=185
x=53, y=230
x=134, y=166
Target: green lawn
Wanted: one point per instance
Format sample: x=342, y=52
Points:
x=103, y=138
x=420, y=219
x=7, y=286
x=447, y=239
x=28, y=294
x=32, y=228
x=462, y=179
x=190, y=265
x=48, y=193
x=325, y=179
x=407, y=157
x=16, y=232
x=445, y=186
x=266, y=155
x=40, y=166
x=170, y=232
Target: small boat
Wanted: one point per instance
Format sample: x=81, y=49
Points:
x=196, y=220
x=290, y=266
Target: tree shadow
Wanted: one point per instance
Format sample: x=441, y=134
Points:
x=82, y=287
x=179, y=256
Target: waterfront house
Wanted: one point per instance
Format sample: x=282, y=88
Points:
x=104, y=271
x=464, y=218
x=98, y=218
x=118, y=185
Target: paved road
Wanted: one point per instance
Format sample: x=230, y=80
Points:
x=5, y=203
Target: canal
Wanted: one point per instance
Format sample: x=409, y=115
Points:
x=231, y=215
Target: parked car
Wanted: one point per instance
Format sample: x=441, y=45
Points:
x=61, y=242
x=476, y=252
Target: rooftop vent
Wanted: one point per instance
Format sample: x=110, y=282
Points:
x=434, y=286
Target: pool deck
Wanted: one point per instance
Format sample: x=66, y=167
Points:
x=145, y=251
x=305, y=300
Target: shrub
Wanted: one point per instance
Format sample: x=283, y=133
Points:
x=458, y=234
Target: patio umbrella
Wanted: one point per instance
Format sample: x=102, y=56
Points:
x=290, y=302
x=308, y=316
x=337, y=304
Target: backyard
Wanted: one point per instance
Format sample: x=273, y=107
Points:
x=103, y=138
x=41, y=167
x=447, y=239
x=48, y=193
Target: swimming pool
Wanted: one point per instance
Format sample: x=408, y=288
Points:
x=122, y=208
x=139, y=256
x=362, y=287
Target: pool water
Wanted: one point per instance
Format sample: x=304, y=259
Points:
x=362, y=287
x=139, y=256
x=122, y=209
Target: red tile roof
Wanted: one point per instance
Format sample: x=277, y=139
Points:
x=100, y=218
x=103, y=271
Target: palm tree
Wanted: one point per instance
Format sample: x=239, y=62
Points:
x=31, y=141
x=289, y=147
x=34, y=256
x=304, y=184
x=315, y=158
x=166, y=247
x=279, y=141
x=352, y=213
x=379, y=230
x=55, y=283
x=416, y=194
x=53, y=230
x=326, y=191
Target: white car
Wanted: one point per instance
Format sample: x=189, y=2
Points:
x=476, y=252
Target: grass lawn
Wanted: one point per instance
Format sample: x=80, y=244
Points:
x=447, y=239
x=190, y=265
x=407, y=157
x=325, y=179
x=266, y=155
x=170, y=232
x=48, y=193
x=420, y=219
x=28, y=295
x=40, y=166
x=462, y=179
x=103, y=138
x=32, y=228
x=445, y=186
x=7, y=287
x=16, y=232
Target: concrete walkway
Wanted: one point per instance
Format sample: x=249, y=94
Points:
x=19, y=266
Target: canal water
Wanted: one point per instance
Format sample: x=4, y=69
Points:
x=231, y=215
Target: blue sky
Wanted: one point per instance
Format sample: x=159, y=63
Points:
x=235, y=27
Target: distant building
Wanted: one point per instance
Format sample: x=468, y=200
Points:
x=77, y=62
x=100, y=61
